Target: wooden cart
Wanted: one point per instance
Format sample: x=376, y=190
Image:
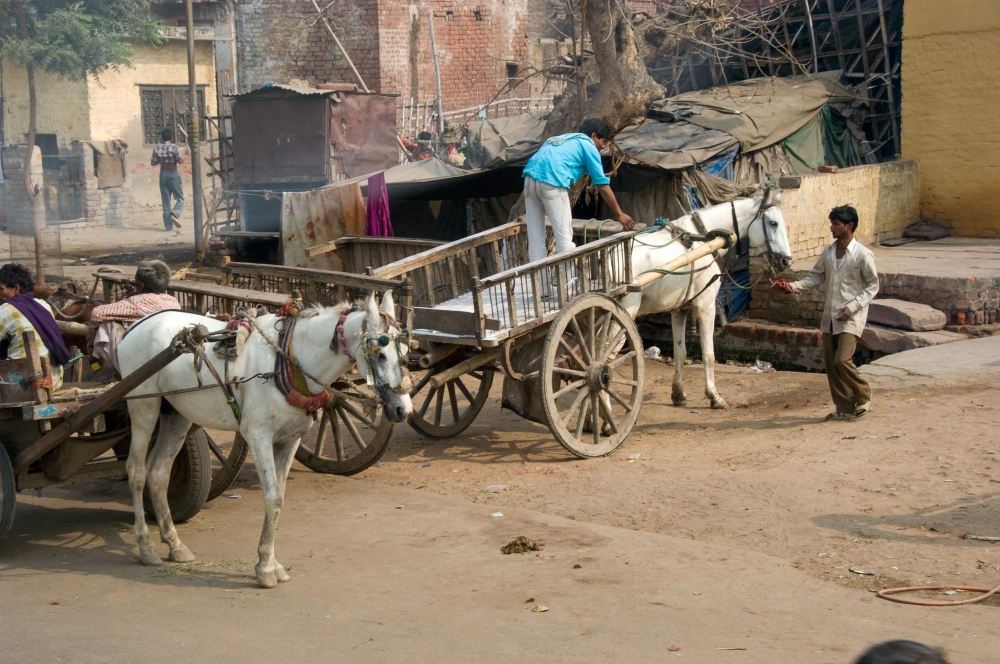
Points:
x=554, y=326
x=81, y=432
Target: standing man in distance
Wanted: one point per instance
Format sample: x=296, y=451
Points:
x=848, y=270
x=167, y=156
x=558, y=164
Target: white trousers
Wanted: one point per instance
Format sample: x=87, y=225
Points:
x=542, y=199
x=106, y=339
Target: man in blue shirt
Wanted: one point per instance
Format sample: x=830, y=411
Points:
x=558, y=164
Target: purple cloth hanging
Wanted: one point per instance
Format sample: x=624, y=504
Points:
x=377, y=212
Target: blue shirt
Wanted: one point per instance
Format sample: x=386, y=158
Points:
x=562, y=160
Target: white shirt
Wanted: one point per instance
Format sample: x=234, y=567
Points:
x=851, y=282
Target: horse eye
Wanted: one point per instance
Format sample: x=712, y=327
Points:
x=774, y=224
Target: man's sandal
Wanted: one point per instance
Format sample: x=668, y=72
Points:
x=841, y=417
x=862, y=409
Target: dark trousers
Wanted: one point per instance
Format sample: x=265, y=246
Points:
x=170, y=185
x=848, y=389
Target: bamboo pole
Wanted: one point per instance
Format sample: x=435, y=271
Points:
x=709, y=247
x=437, y=73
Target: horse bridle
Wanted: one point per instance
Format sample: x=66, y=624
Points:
x=372, y=344
x=759, y=214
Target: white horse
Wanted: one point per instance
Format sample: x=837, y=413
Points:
x=753, y=219
x=271, y=426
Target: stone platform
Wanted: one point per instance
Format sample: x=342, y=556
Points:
x=954, y=275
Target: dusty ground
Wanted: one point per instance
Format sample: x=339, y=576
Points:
x=892, y=493
x=732, y=530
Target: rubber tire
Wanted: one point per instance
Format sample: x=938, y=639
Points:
x=8, y=495
x=190, y=479
x=226, y=475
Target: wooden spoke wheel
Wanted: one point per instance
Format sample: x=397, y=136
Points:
x=448, y=411
x=227, y=462
x=350, y=436
x=592, y=375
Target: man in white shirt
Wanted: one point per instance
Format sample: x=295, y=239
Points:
x=848, y=270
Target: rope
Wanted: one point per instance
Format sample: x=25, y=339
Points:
x=235, y=381
x=889, y=593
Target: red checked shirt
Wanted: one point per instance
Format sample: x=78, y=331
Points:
x=133, y=308
x=167, y=156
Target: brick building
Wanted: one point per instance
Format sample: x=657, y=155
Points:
x=482, y=45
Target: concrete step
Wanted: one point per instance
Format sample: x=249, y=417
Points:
x=882, y=339
x=906, y=315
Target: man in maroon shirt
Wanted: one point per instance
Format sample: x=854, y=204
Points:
x=167, y=156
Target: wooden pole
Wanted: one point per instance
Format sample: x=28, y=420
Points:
x=437, y=73
x=92, y=409
x=193, y=126
x=709, y=247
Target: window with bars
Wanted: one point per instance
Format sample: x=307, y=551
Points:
x=165, y=106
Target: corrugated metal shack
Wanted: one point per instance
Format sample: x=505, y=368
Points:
x=294, y=138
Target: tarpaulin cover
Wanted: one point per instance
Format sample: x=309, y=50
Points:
x=673, y=146
x=505, y=140
x=313, y=217
x=825, y=139
x=761, y=111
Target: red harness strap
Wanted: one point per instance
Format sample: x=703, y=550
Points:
x=340, y=333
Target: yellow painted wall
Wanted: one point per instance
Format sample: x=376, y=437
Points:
x=116, y=112
x=951, y=110
x=61, y=106
x=886, y=197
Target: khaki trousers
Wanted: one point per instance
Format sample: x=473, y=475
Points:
x=848, y=389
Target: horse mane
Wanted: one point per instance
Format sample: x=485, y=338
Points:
x=315, y=310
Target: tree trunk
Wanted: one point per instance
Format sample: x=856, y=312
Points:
x=625, y=89
x=37, y=202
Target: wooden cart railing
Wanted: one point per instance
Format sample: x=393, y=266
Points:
x=478, y=291
x=195, y=296
x=447, y=271
x=357, y=254
x=317, y=286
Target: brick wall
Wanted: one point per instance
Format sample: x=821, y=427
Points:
x=389, y=42
x=951, y=92
x=278, y=40
x=979, y=299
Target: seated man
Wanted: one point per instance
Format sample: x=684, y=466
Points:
x=21, y=312
x=108, y=321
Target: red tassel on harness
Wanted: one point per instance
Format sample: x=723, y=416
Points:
x=309, y=404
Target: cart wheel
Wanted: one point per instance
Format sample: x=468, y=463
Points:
x=450, y=410
x=190, y=480
x=350, y=436
x=592, y=370
x=8, y=495
x=226, y=463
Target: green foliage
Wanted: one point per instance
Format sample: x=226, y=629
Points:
x=74, y=39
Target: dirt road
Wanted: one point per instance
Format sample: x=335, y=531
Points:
x=732, y=530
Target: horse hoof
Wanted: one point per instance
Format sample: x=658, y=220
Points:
x=720, y=404
x=281, y=575
x=181, y=555
x=266, y=579
x=150, y=559
x=679, y=401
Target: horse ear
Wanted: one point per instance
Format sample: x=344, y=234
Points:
x=776, y=196
x=388, y=305
x=371, y=312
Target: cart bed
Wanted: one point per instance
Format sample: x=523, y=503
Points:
x=486, y=311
